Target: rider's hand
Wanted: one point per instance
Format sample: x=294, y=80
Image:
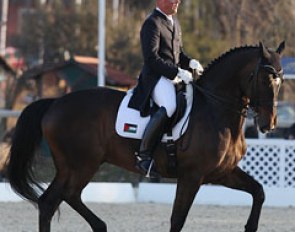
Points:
x=185, y=75
x=195, y=65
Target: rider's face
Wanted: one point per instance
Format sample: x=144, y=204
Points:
x=169, y=7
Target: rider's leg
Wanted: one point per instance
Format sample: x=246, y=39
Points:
x=164, y=96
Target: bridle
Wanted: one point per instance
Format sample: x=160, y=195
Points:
x=254, y=103
x=243, y=107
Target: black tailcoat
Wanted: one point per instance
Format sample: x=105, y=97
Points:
x=161, y=45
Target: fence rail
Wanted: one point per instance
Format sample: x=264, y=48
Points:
x=269, y=161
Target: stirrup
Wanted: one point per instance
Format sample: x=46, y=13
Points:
x=148, y=170
x=148, y=174
x=141, y=157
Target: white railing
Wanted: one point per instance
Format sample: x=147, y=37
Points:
x=5, y=113
x=271, y=162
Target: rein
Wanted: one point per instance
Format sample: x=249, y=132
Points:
x=215, y=99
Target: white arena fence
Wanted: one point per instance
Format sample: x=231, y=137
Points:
x=270, y=161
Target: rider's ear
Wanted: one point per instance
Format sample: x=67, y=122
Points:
x=281, y=47
x=264, y=52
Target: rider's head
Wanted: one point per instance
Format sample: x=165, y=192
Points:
x=169, y=7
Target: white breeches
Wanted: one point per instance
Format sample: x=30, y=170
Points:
x=164, y=94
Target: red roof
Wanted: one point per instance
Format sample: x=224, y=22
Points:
x=89, y=64
x=114, y=76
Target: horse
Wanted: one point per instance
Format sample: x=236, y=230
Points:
x=80, y=131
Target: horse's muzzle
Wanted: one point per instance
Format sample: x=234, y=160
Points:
x=264, y=128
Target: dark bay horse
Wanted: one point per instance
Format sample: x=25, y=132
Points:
x=80, y=131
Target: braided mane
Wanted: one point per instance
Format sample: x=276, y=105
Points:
x=227, y=54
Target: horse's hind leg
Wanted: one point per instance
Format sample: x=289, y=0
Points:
x=97, y=225
x=240, y=180
x=48, y=204
x=72, y=195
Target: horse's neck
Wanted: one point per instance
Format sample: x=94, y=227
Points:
x=217, y=115
x=225, y=76
x=224, y=90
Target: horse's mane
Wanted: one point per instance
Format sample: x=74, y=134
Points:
x=227, y=54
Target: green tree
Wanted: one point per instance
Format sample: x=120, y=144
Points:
x=210, y=27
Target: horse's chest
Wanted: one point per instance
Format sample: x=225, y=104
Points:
x=232, y=155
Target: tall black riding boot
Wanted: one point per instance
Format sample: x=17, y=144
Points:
x=152, y=135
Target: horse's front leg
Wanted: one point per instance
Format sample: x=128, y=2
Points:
x=240, y=180
x=187, y=188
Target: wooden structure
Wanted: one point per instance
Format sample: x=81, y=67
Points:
x=77, y=73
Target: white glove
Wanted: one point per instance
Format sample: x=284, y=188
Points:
x=185, y=75
x=195, y=65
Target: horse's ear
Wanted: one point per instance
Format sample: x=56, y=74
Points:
x=281, y=47
x=264, y=51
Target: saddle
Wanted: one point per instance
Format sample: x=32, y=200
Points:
x=129, y=123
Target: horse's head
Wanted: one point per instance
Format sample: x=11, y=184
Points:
x=267, y=80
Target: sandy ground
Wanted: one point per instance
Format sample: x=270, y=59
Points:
x=22, y=217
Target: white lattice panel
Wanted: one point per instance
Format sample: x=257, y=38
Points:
x=271, y=162
x=289, y=180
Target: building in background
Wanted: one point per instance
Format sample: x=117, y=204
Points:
x=77, y=73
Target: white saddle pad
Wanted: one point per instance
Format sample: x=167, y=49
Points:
x=130, y=124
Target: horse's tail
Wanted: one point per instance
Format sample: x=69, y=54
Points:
x=26, y=138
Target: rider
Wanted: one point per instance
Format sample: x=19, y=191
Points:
x=164, y=60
